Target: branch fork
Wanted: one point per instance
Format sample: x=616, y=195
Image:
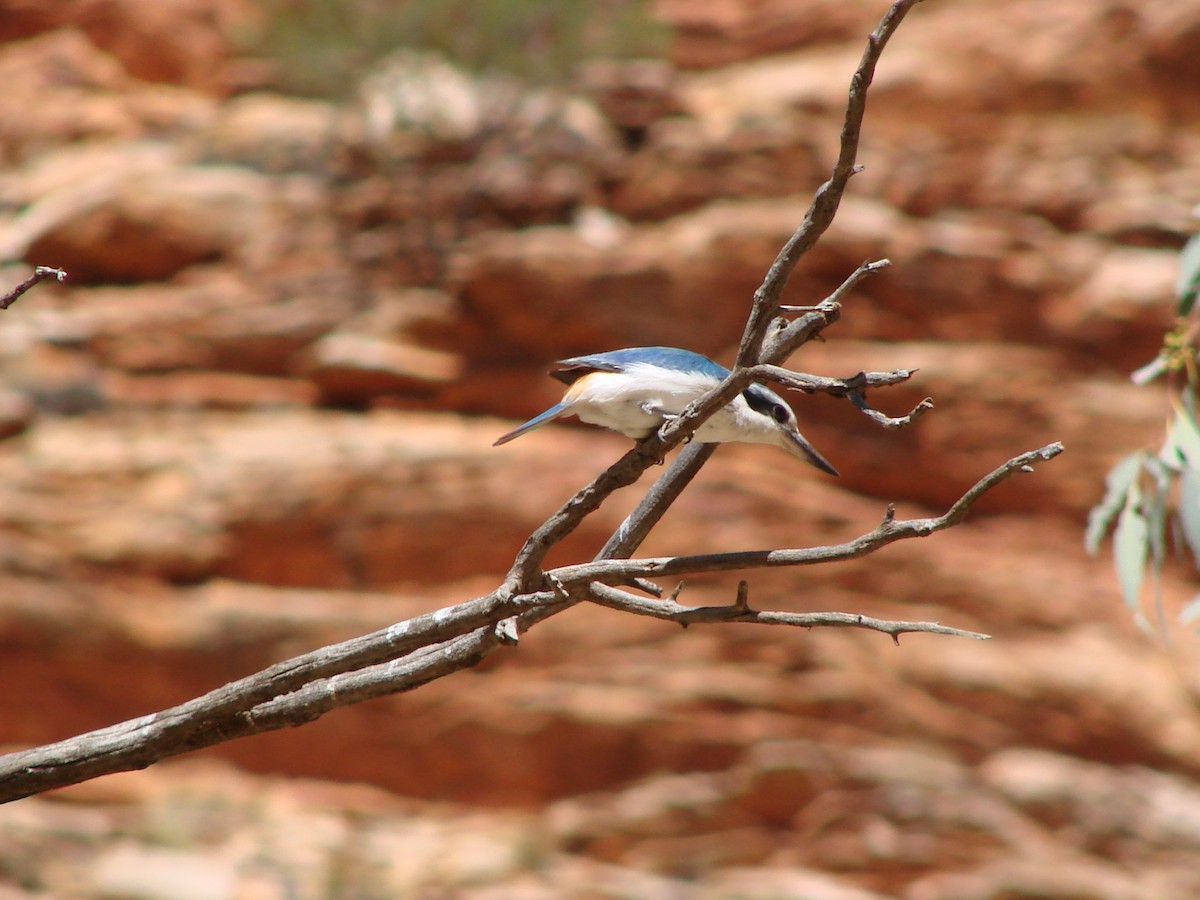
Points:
x=409, y=654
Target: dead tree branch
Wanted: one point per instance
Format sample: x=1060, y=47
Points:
x=671, y=611
x=416, y=651
x=890, y=530
x=764, y=309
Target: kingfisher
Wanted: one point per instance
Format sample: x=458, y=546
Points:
x=635, y=390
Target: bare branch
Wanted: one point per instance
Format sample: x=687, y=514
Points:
x=865, y=269
x=222, y=714
x=755, y=346
x=318, y=697
x=890, y=530
x=853, y=388
x=526, y=574
x=835, y=387
x=633, y=530
x=40, y=274
x=887, y=421
x=414, y=652
x=829, y=195
x=786, y=337
x=739, y=612
x=657, y=500
x=670, y=485
x=430, y=646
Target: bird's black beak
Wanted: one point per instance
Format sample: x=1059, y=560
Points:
x=798, y=445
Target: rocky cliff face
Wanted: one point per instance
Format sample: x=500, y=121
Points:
x=259, y=419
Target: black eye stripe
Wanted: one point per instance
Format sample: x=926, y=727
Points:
x=763, y=401
x=757, y=401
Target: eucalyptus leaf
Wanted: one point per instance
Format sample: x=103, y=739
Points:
x=1117, y=484
x=1169, y=455
x=1189, y=509
x=1131, y=547
x=1185, y=435
x=1188, y=284
x=1154, y=512
x=1162, y=466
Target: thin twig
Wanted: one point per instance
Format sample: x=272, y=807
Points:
x=890, y=530
x=853, y=388
x=888, y=421
x=418, y=650
x=787, y=337
x=821, y=211
x=828, y=196
x=870, y=267
x=758, y=345
x=431, y=646
x=40, y=274
x=217, y=715
x=617, y=599
x=835, y=387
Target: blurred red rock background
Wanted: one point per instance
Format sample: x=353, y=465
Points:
x=258, y=419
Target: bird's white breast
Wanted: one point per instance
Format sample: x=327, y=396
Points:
x=634, y=401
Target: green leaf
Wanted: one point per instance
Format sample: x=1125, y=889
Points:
x=1189, y=508
x=1185, y=434
x=1117, y=484
x=1188, y=285
x=1170, y=457
x=1131, y=547
x=1154, y=510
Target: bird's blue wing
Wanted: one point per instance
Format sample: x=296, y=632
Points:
x=558, y=409
x=569, y=370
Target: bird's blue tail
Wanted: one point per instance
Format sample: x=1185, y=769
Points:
x=558, y=409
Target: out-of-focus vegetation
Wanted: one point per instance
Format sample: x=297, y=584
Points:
x=321, y=48
x=1154, y=498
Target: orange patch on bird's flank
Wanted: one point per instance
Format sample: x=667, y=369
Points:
x=578, y=387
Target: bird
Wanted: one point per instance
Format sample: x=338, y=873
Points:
x=635, y=390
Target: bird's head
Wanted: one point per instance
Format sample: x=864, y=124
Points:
x=773, y=422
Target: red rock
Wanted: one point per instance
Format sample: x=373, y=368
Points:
x=725, y=31
x=202, y=516
x=63, y=89
x=208, y=319
x=273, y=134
x=16, y=413
x=632, y=93
x=686, y=282
x=186, y=42
x=1119, y=309
x=206, y=390
x=353, y=368
x=148, y=227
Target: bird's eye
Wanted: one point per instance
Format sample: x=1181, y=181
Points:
x=779, y=413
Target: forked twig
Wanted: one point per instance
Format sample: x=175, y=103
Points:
x=614, y=598
x=416, y=651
